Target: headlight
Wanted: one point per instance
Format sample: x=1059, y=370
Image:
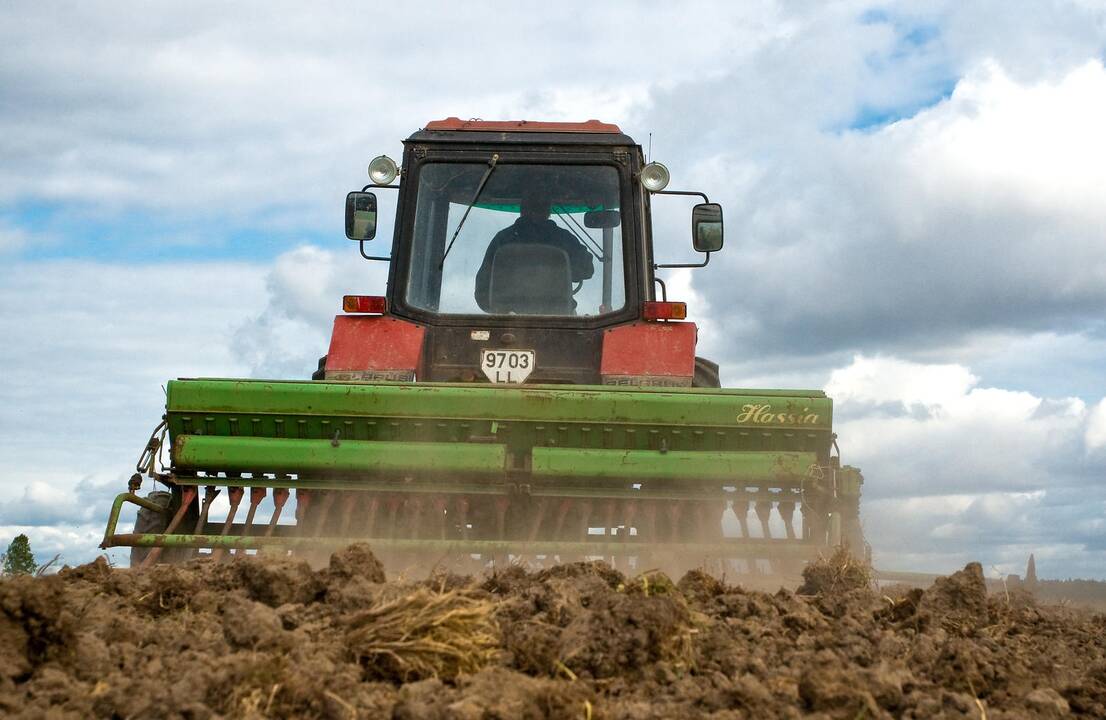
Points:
x=383, y=170
x=654, y=177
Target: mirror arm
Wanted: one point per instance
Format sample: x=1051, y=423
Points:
x=664, y=289
x=361, y=246
x=706, y=260
x=361, y=243
x=694, y=193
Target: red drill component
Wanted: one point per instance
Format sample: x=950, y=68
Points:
x=280, y=496
x=235, y=495
x=210, y=493
x=370, y=514
x=349, y=503
x=585, y=517
x=393, y=503
x=562, y=512
x=535, y=523
x=414, y=519
x=256, y=496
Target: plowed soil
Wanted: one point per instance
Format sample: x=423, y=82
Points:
x=273, y=638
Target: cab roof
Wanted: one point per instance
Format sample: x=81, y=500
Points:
x=521, y=132
x=588, y=126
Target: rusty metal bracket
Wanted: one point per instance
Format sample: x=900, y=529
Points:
x=148, y=459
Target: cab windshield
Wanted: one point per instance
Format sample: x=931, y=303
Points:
x=539, y=240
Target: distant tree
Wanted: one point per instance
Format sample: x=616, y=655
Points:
x=19, y=560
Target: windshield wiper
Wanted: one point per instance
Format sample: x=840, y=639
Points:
x=598, y=252
x=476, y=196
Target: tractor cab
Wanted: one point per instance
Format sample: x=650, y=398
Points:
x=518, y=247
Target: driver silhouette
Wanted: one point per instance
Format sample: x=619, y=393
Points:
x=533, y=227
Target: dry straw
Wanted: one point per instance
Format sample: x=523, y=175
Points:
x=839, y=572
x=424, y=634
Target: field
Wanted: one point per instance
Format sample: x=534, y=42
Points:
x=273, y=638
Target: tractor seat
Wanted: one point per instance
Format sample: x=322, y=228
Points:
x=530, y=279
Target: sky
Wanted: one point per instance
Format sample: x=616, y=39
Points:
x=913, y=194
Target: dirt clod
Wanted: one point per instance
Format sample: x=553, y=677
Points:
x=356, y=561
x=273, y=638
x=959, y=601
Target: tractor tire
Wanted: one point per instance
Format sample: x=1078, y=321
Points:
x=149, y=521
x=320, y=374
x=852, y=536
x=706, y=374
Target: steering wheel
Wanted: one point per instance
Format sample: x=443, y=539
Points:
x=576, y=289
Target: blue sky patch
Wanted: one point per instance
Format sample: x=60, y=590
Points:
x=920, y=35
x=913, y=47
x=874, y=16
x=869, y=117
x=68, y=231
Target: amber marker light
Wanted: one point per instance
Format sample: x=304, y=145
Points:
x=652, y=310
x=371, y=304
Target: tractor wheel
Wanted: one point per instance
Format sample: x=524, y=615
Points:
x=156, y=523
x=852, y=535
x=149, y=521
x=320, y=374
x=706, y=374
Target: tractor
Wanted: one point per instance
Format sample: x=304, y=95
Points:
x=524, y=389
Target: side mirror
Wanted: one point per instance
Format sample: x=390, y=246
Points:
x=361, y=216
x=602, y=219
x=706, y=227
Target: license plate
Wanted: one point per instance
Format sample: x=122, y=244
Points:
x=507, y=366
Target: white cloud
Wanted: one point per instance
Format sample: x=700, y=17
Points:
x=195, y=108
x=955, y=471
x=996, y=140
x=1034, y=39
x=303, y=293
x=980, y=215
x=40, y=492
x=87, y=348
x=927, y=430
x=881, y=380
x=73, y=544
x=1096, y=427
x=939, y=533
